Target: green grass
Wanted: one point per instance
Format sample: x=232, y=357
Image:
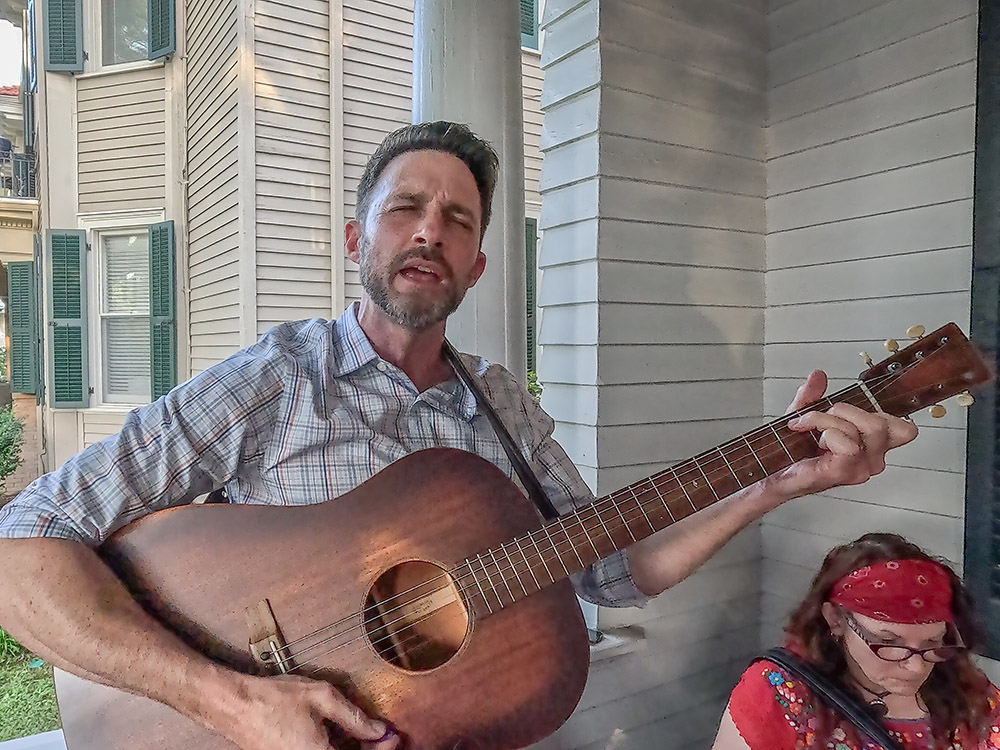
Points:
x=27, y=693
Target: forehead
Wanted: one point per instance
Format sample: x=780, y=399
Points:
x=431, y=173
x=910, y=632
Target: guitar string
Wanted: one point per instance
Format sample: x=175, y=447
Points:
x=529, y=567
x=611, y=498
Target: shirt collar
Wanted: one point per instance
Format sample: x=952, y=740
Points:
x=352, y=350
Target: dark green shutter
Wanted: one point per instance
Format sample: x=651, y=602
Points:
x=67, y=251
x=162, y=28
x=23, y=315
x=64, y=35
x=162, y=309
x=530, y=274
x=529, y=24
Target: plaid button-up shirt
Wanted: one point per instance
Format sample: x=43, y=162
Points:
x=304, y=415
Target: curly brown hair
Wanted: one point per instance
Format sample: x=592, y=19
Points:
x=956, y=692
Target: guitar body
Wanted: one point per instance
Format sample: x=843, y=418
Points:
x=512, y=679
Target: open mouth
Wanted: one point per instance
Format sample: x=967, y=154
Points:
x=420, y=273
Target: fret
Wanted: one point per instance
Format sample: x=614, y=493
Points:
x=604, y=526
x=690, y=501
x=554, y=549
x=639, y=503
x=698, y=464
x=571, y=545
x=731, y=471
x=531, y=537
x=502, y=578
x=514, y=568
x=589, y=538
x=781, y=442
x=479, y=585
x=537, y=584
x=755, y=458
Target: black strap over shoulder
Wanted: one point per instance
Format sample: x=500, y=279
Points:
x=524, y=472
x=833, y=696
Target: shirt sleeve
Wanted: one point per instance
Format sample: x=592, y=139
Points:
x=765, y=707
x=184, y=444
x=608, y=582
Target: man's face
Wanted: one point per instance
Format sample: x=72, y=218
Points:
x=418, y=251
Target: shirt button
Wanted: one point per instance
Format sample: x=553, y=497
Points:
x=381, y=366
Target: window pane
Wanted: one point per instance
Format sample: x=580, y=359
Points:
x=125, y=33
x=126, y=360
x=125, y=273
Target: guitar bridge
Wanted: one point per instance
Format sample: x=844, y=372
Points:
x=266, y=642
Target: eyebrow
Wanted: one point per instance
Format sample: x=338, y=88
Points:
x=452, y=207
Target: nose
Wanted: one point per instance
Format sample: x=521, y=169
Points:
x=914, y=663
x=430, y=228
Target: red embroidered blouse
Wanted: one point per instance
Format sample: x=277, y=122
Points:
x=774, y=711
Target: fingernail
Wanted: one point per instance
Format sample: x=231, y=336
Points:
x=794, y=422
x=389, y=731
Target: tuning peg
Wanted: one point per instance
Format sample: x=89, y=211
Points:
x=866, y=358
x=938, y=411
x=892, y=345
x=965, y=399
x=915, y=332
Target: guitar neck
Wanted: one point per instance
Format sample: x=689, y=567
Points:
x=567, y=545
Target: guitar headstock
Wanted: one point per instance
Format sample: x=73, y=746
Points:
x=937, y=366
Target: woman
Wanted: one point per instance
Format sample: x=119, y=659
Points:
x=892, y=626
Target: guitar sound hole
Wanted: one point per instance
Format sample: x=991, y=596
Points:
x=415, y=617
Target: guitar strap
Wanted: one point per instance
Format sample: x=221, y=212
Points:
x=833, y=696
x=524, y=472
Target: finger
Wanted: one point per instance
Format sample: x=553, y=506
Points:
x=874, y=431
x=901, y=431
x=349, y=717
x=819, y=421
x=809, y=392
x=389, y=741
x=841, y=444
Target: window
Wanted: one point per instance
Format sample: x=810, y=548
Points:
x=124, y=31
x=124, y=309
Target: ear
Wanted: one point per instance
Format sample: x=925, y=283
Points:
x=352, y=236
x=833, y=619
x=477, y=269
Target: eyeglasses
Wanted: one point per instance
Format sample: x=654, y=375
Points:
x=892, y=652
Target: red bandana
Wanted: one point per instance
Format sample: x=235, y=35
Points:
x=904, y=591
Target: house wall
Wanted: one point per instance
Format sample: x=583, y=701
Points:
x=294, y=210
x=122, y=141
x=652, y=292
x=870, y=134
x=215, y=86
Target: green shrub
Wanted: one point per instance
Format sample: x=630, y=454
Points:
x=11, y=438
x=534, y=387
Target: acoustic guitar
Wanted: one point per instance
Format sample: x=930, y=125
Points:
x=431, y=594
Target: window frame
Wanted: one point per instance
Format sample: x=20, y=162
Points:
x=97, y=225
x=94, y=43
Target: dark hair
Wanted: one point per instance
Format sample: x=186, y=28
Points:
x=955, y=692
x=450, y=137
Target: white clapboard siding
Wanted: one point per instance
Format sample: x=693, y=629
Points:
x=293, y=165
x=99, y=424
x=213, y=180
x=121, y=138
x=869, y=214
x=653, y=327
x=378, y=76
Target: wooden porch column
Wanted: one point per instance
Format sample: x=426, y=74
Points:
x=467, y=68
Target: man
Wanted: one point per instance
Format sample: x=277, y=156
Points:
x=312, y=410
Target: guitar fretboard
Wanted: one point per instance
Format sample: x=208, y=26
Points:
x=503, y=575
